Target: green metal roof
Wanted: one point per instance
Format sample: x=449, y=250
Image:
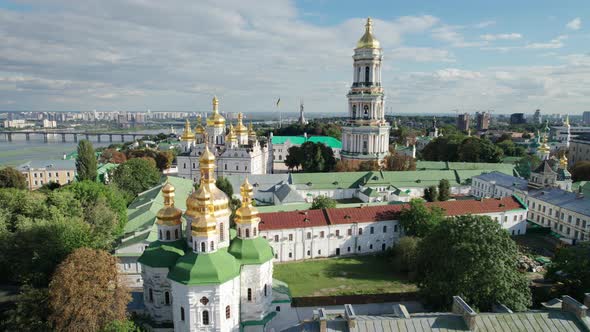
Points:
x=370, y=192
x=205, y=268
x=251, y=251
x=163, y=254
x=298, y=140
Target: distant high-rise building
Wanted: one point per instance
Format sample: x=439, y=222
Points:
x=463, y=122
x=517, y=118
x=483, y=120
x=537, y=117
x=586, y=117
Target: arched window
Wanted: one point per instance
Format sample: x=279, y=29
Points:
x=176, y=234
x=167, y=298
x=202, y=246
x=212, y=246
x=265, y=292
x=182, y=313
x=354, y=109
x=247, y=232
x=358, y=76
x=221, y=234
x=151, y=295
x=205, y=317
x=167, y=235
x=160, y=234
x=254, y=231
x=227, y=312
x=239, y=232
x=367, y=75
x=184, y=165
x=249, y=294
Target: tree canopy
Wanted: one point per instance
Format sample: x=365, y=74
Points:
x=311, y=157
x=224, y=185
x=471, y=256
x=86, y=164
x=400, y=162
x=526, y=164
x=418, y=219
x=581, y=171
x=323, y=202
x=85, y=293
x=461, y=148
x=12, y=178
x=444, y=190
x=571, y=269
x=136, y=175
x=431, y=194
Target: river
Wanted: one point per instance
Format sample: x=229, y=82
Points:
x=20, y=150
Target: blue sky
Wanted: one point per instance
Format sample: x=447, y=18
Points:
x=507, y=56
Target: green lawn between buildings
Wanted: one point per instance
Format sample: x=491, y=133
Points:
x=342, y=276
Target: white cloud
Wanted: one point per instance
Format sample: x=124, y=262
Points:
x=575, y=24
x=452, y=74
x=552, y=44
x=484, y=24
x=420, y=54
x=502, y=36
x=451, y=35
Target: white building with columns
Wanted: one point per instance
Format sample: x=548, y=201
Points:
x=204, y=278
x=366, y=135
x=237, y=149
x=300, y=235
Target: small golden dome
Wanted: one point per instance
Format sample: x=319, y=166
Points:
x=368, y=40
x=231, y=136
x=199, y=129
x=563, y=161
x=207, y=158
x=247, y=213
x=215, y=119
x=251, y=131
x=168, y=215
x=206, y=224
x=240, y=128
x=187, y=134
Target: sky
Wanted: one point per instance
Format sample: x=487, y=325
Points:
x=173, y=55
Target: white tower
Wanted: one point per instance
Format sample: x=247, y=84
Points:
x=366, y=137
x=569, y=131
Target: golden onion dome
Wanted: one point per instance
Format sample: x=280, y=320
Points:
x=563, y=161
x=207, y=157
x=240, y=128
x=168, y=215
x=247, y=213
x=187, y=134
x=251, y=130
x=368, y=40
x=215, y=119
x=197, y=202
x=231, y=136
x=205, y=224
x=199, y=129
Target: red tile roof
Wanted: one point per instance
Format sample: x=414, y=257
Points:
x=313, y=218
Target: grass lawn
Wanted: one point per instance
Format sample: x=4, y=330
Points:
x=342, y=276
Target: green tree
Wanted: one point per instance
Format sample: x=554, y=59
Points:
x=526, y=164
x=317, y=157
x=30, y=313
x=85, y=293
x=471, y=256
x=570, y=268
x=323, y=202
x=86, y=162
x=12, y=178
x=444, y=190
x=431, y=194
x=418, y=219
x=163, y=159
x=294, y=158
x=136, y=175
x=368, y=165
x=581, y=171
x=404, y=255
x=224, y=185
x=399, y=162
x=442, y=149
x=474, y=149
x=121, y=326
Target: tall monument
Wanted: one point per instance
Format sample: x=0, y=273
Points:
x=366, y=135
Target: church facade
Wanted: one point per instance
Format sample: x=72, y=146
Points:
x=201, y=277
x=366, y=135
x=237, y=149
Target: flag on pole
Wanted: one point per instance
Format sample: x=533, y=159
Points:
x=278, y=102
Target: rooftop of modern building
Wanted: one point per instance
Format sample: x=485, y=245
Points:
x=362, y=214
x=56, y=164
x=332, y=142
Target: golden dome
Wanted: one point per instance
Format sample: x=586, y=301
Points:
x=168, y=215
x=215, y=119
x=187, y=134
x=240, y=128
x=251, y=131
x=368, y=40
x=207, y=158
x=199, y=129
x=563, y=161
x=247, y=213
x=206, y=224
x=231, y=136
x=196, y=203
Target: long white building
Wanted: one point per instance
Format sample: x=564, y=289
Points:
x=300, y=235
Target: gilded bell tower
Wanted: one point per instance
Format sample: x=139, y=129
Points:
x=247, y=219
x=366, y=135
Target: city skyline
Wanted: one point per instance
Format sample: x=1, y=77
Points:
x=121, y=55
